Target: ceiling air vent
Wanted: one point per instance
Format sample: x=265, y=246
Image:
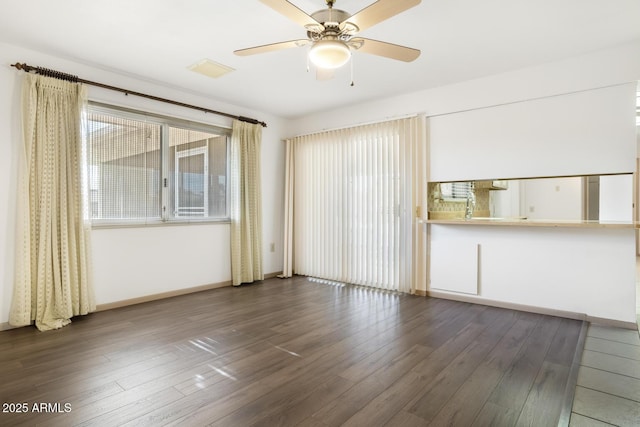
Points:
x=210, y=68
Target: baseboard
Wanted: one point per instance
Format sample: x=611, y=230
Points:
x=178, y=292
x=6, y=326
x=611, y=322
x=162, y=295
x=420, y=293
x=508, y=305
x=531, y=309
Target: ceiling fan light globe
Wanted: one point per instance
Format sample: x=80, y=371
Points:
x=329, y=54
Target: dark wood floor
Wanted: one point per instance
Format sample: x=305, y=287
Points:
x=291, y=352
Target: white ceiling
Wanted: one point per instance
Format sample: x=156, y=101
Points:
x=460, y=40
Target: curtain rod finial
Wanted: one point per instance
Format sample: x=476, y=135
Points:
x=22, y=66
x=252, y=121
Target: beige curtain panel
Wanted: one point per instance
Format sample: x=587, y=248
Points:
x=246, y=203
x=53, y=263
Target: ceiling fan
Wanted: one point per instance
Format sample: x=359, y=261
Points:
x=331, y=33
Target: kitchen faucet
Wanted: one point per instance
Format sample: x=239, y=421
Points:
x=471, y=204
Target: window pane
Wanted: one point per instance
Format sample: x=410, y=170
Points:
x=198, y=171
x=191, y=188
x=124, y=168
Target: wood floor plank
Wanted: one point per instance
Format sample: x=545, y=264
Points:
x=145, y=395
x=317, y=366
x=311, y=422
x=467, y=402
x=515, y=385
x=134, y=409
x=544, y=402
x=292, y=411
x=378, y=360
x=284, y=352
x=339, y=410
x=427, y=372
x=405, y=419
x=448, y=380
x=243, y=369
x=404, y=362
x=79, y=399
x=325, y=358
x=563, y=347
x=180, y=409
x=496, y=415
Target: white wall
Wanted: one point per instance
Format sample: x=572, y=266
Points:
x=135, y=262
x=580, y=270
x=580, y=133
x=593, y=70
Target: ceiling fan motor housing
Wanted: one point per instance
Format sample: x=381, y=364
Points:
x=330, y=19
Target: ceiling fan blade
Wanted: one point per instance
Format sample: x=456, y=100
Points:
x=388, y=50
x=378, y=12
x=323, y=74
x=271, y=47
x=295, y=14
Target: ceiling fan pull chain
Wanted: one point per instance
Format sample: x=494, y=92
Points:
x=352, y=59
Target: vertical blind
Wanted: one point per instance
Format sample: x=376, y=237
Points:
x=352, y=205
x=124, y=167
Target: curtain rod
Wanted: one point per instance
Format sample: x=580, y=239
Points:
x=70, y=77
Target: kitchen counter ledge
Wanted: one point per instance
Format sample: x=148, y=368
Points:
x=533, y=223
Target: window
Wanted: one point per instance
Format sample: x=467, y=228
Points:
x=456, y=191
x=145, y=169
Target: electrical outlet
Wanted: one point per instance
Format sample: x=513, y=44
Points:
x=532, y=209
x=272, y=247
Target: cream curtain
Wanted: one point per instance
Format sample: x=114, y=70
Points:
x=353, y=204
x=417, y=132
x=246, y=203
x=289, y=179
x=53, y=263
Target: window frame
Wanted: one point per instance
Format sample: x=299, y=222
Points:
x=165, y=122
x=204, y=151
